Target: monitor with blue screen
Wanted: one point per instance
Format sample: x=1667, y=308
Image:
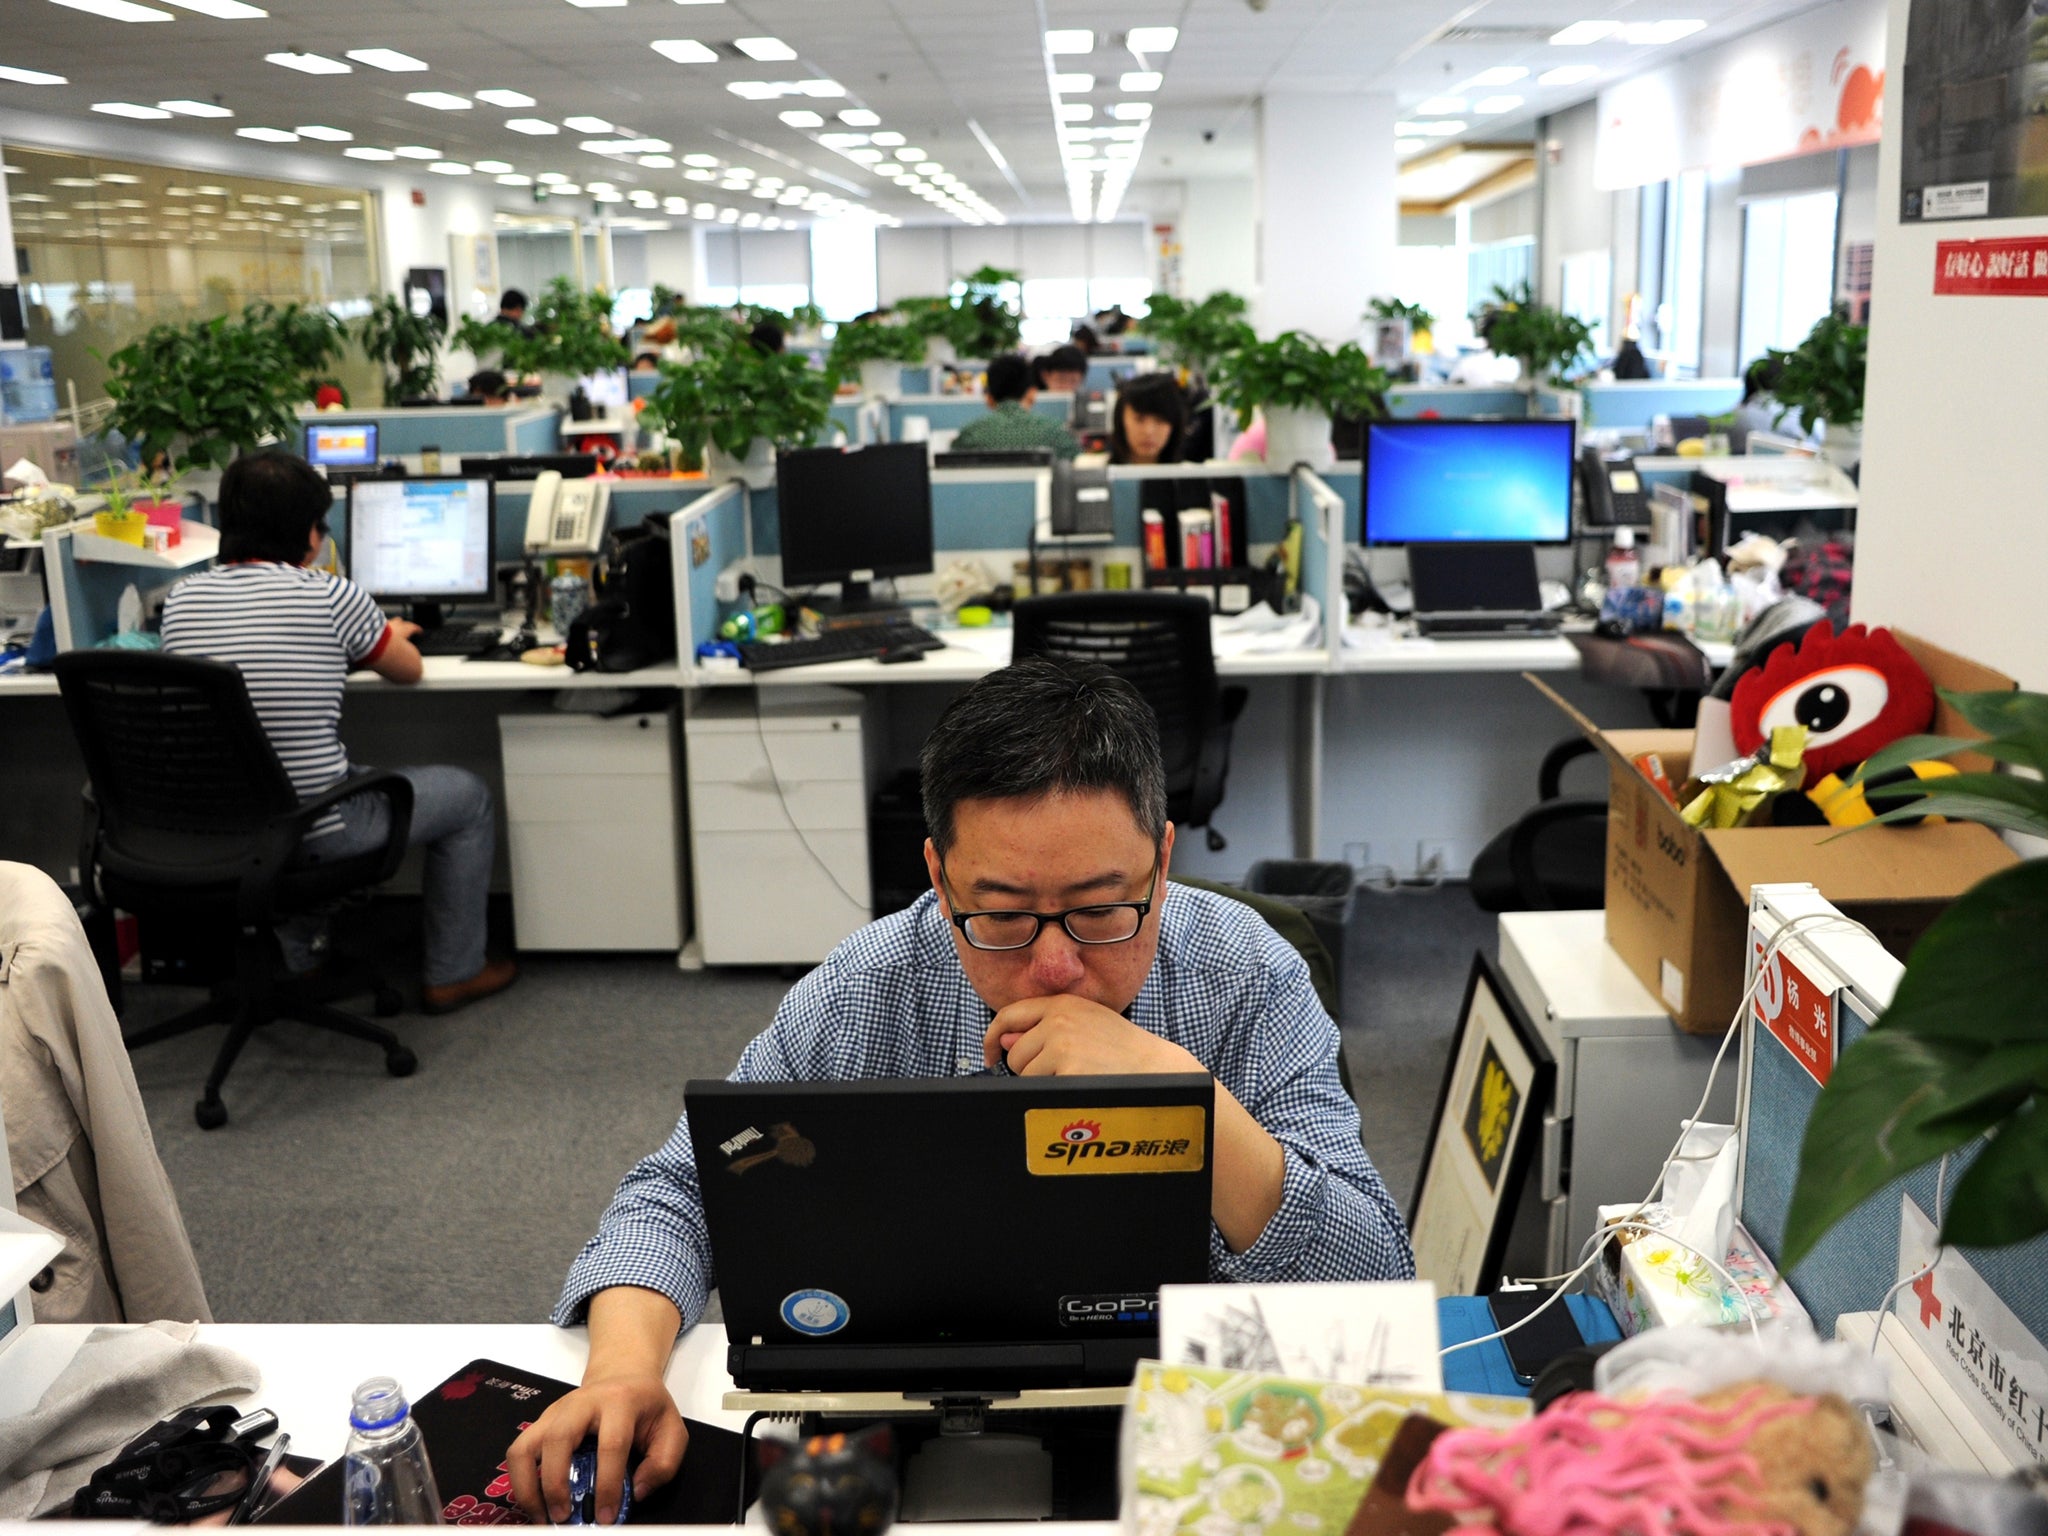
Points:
x=342, y=444
x=1468, y=482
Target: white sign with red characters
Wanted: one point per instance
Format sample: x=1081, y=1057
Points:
x=1798, y=1011
x=1976, y=1343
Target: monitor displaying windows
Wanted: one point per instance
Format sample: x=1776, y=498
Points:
x=422, y=540
x=1459, y=482
x=342, y=444
x=852, y=516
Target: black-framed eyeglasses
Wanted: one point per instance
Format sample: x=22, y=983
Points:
x=1100, y=922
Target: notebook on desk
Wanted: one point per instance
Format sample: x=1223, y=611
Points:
x=470, y=1420
x=966, y=1233
x=1477, y=591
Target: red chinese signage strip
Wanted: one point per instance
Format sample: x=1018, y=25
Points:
x=2017, y=268
x=1800, y=1014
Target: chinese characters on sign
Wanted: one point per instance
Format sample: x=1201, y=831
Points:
x=1999, y=268
x=1798, y=1011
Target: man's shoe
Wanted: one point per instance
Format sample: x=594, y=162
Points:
x=496, y=976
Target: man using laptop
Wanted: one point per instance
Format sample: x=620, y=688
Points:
x=1050, y=943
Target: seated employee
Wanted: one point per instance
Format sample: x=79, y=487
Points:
x=1051, y=944
x=1150, y=426
x=490, y=386
x=294, y=634
x=1010, y=424
x=1062, y=371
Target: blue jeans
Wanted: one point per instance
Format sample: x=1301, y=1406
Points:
x=452, y=820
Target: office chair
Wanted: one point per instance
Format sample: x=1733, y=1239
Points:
x=1159, y=643
x=190, y=814
x=1555, y=856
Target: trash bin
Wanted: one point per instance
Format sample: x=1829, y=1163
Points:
x=1324, y=891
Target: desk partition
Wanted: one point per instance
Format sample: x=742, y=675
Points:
x=949, y=413
x=1457, y=401
x=455, y=429
x=1632, y=404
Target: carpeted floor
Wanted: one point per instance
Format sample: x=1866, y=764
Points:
x=460, y=1194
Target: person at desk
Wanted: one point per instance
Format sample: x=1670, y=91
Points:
x=1150, y=426
x=490, y=386
x=294, y=634
x=1062, y=371
x=1049, y=944
x=512, y=312
x=1010, y=423
x=1760, y=410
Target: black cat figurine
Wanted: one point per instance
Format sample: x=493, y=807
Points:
x=831, y=1485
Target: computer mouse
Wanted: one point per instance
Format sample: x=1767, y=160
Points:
x=901, y=653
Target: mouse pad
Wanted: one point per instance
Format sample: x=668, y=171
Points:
x=470, y=1419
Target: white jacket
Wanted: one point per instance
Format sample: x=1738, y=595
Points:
x=84, y=1163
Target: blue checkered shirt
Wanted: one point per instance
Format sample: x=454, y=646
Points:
x=893, y=1001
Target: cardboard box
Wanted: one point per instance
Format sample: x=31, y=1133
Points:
x=1678, y=898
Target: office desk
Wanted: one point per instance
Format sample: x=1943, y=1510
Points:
x=444, y=674
x=1382, y=651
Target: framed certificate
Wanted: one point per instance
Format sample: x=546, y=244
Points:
x=1489, y=1113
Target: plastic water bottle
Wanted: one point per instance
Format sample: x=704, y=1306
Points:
x=387, y=1479
x=1624, y=565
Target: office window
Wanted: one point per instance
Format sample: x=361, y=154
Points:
x=1672, y=271
x=767, y=267
x=1508, y=265
x=1788, y=269
x=1587, y=284
x=102, y=263
x=843, y=268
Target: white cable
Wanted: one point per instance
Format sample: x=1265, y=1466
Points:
x=1608, y=1231
x=1940, y=1203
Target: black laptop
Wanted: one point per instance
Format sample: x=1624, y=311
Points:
x=1477, y=591
x=986, y=1233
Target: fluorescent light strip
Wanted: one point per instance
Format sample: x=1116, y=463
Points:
x=1144, y=40
x=1138, y=81
x=440, y=101
x=195, y=108
x=588, y=125
x=310, y=63
x=130, y=109
x=537, y=127
x=1581, y=33
x=31, y=76
x=1068, y=40
x=765, y=50
x=684, y=50
x=323, y=132
x=860, y=117
x=500, y=98
x=268, y=135
x=389, y=59
x=222, y=10
x=117, y=10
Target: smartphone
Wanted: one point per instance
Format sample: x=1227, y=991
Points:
x=1534, y=1345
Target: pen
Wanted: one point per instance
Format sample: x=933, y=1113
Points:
x=257, y=1484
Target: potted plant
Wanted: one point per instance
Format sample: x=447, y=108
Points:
x=571, y=336
x=1962, y=1052
x=746, y=404
x=310, y=337
x=406, y=345
x=986, y=323
x=878, y=352
x=933, y=319
x=1822, y=379
x=1547, y=342
x=1196, y=336
x=1420, y=321
x=199, y=393
x=1299, y=384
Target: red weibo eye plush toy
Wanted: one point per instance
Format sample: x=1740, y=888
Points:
x=1856, y=693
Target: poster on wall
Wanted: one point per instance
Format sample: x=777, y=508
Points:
x=1975, y=141
x=1814, y=82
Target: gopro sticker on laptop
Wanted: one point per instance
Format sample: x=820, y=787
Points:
x=815, y=1313
x=1108, y=1308
x=1165, y=1138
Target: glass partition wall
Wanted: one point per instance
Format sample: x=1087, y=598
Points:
x=109, y=248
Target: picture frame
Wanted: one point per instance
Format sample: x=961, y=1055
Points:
x=1497, y=1086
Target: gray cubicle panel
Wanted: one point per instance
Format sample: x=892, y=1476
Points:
x=523, y=427
x=949, y=413
x=1455, y=402
x=628, y=503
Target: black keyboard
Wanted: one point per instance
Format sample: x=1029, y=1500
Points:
x=456, y=640
x=854, y=644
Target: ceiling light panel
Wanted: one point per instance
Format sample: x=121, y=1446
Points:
x=1070, y=40
x=389, y=59
x=31, y=76
x=267, y=135
x=1073, y=85
x=323, y=132
x=802, y=119
x=118, y=10
x=440, y=101
x=1131, y=111
x=1581, y=33
x=588, y=125
x=767, y=50
x=222, y=10
x=684, y=50
x=130, y=109
x=494, y=167
x=1138, y=81
x=416, y=152
x=1152, y=39
x=365, y=152
x=860, y=117
x=502, y=98
x=310, y=63
x=537, y=127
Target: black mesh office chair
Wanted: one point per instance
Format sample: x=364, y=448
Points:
x=1555, y=856
x=1159, y=643
x=190, y=815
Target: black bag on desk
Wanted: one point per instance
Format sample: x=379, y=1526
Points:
x=633, y=623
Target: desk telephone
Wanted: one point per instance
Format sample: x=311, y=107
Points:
x=566, y=516
x=1614, y=490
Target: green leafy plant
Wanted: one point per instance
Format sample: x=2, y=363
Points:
x=311, y=337
x=571, y=334
x=1199, y=335
x=1962, y=1052
x=126, y=489
x=736, y=394
x=1548, y=341
x=1822, y=377
x=981, y=322
x=203, y=391
x=1294, y=371
x=1418, y=318
x=405, y=345
x=875, y=341
x=803, y=317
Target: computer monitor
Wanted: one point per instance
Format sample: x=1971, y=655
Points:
x=1468, y=482
x=851, y=516
x=529, y=466
x=423, y=542
x=342, y=444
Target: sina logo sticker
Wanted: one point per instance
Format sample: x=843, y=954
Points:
x=1080, y=1132
x=815, y=1313
x=1164, y=1138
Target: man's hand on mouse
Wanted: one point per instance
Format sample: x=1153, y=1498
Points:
x=1068, y=1036
x=626, y=1413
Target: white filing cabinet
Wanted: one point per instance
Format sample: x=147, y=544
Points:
x=1626, y=1077
x=591, y=821
x=778, y=822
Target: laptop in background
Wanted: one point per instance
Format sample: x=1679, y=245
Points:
x=1477, y=591
x=985, y=1232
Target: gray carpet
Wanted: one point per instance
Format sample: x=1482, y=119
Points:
x=339, y=1194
